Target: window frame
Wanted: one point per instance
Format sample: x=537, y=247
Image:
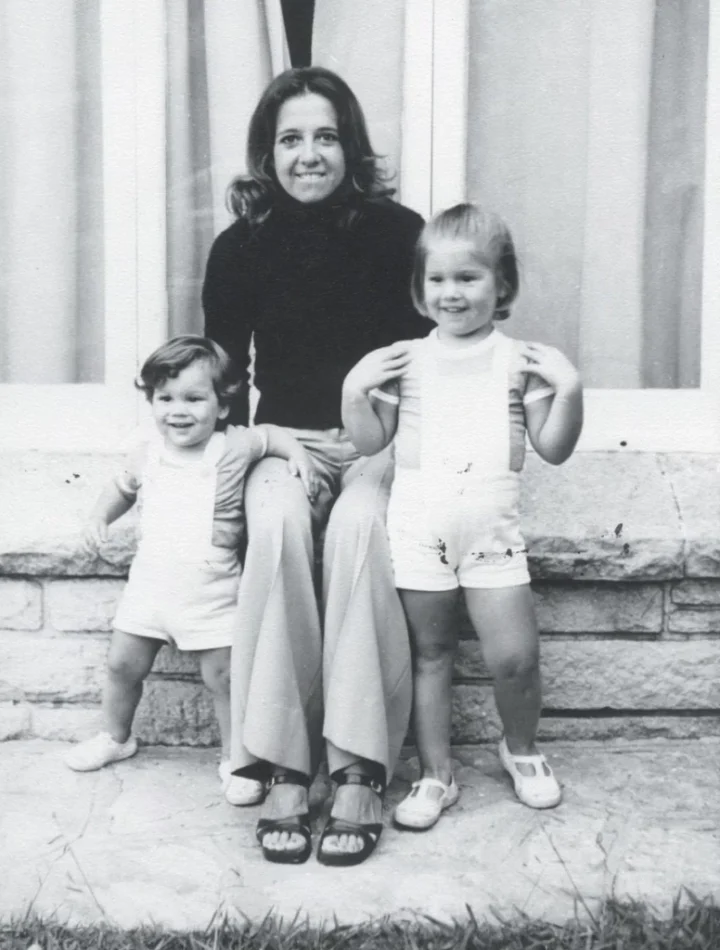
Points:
x=435, y=123
x=95, y=417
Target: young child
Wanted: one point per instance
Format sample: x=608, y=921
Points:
x=183, y=582
x=458, y=405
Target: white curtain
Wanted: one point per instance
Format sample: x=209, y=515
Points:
x=586, y=131
x=220, y=56
x=51, y=230
x=363, y=43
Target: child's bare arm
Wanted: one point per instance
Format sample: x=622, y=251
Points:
x=282, y=444
x=371, y=423
x=554, y=423
x=110, y=506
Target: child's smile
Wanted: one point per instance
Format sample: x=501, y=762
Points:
x=186, y=409
x=460, y=291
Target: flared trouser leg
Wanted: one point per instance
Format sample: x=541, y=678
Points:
x=366, y=658
x=276, y=691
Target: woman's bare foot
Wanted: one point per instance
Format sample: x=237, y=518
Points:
x=357, y=804
x=284, y=801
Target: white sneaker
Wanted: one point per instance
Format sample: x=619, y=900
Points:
x=539, y=790
x=238, y=789
x=101, y=750
x=419, y=810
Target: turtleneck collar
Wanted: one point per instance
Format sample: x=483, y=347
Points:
x=343, y=197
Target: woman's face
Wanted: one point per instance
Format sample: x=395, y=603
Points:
x=309, y=160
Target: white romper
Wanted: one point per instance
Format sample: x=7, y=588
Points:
x=182, y=586
x=453, y=517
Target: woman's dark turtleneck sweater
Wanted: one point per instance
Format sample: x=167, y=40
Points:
x=318, y=294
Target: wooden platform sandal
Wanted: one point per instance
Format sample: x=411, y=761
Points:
x=295, y=824
x=370, y=833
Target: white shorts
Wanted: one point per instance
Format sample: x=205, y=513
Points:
x=458, y=532
x=191, y=604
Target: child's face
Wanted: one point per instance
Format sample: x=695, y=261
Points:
x=460, y=291
x=186, y=409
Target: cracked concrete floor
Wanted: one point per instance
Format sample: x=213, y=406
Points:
x=152, y=840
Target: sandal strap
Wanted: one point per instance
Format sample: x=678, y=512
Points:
x=431, y=782
x=289, y=777
x=372, y=782
x=294, y=824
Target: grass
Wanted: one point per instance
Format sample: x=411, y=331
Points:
x=618, y=925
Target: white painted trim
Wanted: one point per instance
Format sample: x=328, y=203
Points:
x=417, y=114
x=451, y=32
x=710, y=351
x=650, y=420
x=151, y=184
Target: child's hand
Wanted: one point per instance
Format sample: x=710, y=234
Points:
x=552, y=366
x=300, y=466
x=95, y=533
x=377, y=368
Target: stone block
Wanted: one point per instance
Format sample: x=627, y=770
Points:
x=20, y=604
x=618, y=674
x=695, y=481
x=44, y=501
x=602, y=516
x=176, y=712
x=696, y=593
x=474, y=717
x=578, y=729
x=82, y=604
x=686, y=620
x=15, y=721
x=66, y=723
x=173, y=661
x=599, y=608
x=52, y=669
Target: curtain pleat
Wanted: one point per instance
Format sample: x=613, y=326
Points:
x=672, y=271
x=221, y=55
x=50, y=193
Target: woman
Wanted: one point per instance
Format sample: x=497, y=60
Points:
x=316, y=269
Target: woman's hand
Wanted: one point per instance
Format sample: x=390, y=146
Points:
x=300, y=466
x=554, y=367
x=377, y=368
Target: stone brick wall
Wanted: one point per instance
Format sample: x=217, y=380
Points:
x=625, y=552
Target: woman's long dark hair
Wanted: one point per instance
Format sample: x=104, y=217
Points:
x=252, y=196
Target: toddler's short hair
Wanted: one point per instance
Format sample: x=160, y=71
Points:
x=168, y=361
x=493, y=242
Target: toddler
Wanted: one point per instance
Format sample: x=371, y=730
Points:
x=458, y=405
x=183, y=582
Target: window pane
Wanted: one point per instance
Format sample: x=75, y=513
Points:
x=51, y=241
x=586, y=131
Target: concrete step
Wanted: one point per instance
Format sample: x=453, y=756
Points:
x=152, y=839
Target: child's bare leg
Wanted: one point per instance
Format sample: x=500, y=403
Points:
x=432, y=623
x=130, y=659
x=504, y=620
x=215, y=670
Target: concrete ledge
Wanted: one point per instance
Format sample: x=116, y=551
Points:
x=601, y=516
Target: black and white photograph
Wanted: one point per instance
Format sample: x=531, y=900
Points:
x=360, y=474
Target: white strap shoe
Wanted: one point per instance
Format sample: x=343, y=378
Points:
x=239, y=790
x=420, y=809
x=539, y=790
x=102, y=749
